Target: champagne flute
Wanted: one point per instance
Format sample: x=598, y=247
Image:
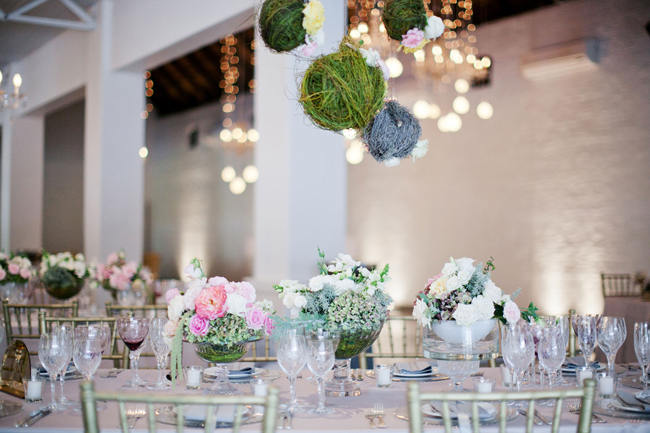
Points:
x=611, y=335
x=133, y=332
x=67, y=335
x=586, y=330
x=161, y=349
x=321, y=347
x=642, y=350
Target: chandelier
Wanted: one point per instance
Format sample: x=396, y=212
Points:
x=451, y=65
x=11, y=99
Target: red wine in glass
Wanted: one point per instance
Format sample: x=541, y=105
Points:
x=133, y=345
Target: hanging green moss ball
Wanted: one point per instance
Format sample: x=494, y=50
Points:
x=340, y=91
x=399, y=16
x=280, y=23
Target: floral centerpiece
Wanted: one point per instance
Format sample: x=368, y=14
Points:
x=63, y=274
x=118, y=275
x=15, y=272
x=347, y=297
x=218, y=316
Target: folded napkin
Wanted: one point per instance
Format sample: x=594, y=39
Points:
x=486, y=410
x=630, y=400
x=70, y=370
x=413, y=369
x=225, y=413
x=244, y=371
x=575, y=362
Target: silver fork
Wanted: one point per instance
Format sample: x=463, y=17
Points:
x=378, y=411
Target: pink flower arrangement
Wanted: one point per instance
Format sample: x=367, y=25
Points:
x=118, y=274
x=3, y=274
x=14, y=269
x=211, y=303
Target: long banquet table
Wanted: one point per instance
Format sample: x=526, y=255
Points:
x=350, y=417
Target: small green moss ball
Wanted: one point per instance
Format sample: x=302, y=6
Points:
x=399, y=16
x=280, y=23
x=340, y=91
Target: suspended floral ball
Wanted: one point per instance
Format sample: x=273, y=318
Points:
x=394, y=134
x=406, y=21
x=287, y=25
x=344, y=89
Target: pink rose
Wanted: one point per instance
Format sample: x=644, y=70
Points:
x=130, y=269
x=211, y=303
x=3, y=274
x=511, y=312
x=413, y=38
x=171, y=294
x=119, y=281
x=14, y=268
x=255, y=318
x=112, y=258
x=268, y=325
x=25, y=273
x=245, y=290
x=199, y=326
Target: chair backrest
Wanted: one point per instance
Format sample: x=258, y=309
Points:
x=401, y=337
x=253, y=354
x=89, y=399
x=21, y=321
x=113, y=353
x=415, y=400
x=150, y=310
x=618, y=285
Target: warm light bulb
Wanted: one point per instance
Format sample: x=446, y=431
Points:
x=253, y=135
x=362, y=27
x=442, y=124
x=237, y=133
x=237, y=186
x=355, y=34
x=225, y=135
x=456, y=56
x=454, y=122
x=434, y=111
x=250, y=174
x=436, y=50
x=18, y=80
x=484, y=110
x=0, y=77
x=354, y=154
x=461, y=85
x=394, y=66
x=461, y=105
x=486, y=62
x=421, y=109
x=143, y=152
x=228, y=174
x=419, y=56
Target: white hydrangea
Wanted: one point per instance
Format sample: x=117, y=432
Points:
x=236, y=304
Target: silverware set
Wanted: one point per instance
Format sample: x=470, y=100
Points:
x=376, y=416
x=35, y=416
x=575, y=409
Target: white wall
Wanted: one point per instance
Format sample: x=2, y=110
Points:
x=192, y=213
x=555, y=186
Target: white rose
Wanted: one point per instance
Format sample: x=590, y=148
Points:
x=80, y=269
x=419, y=312
x=299, y=302
x=319, y=281
x=465, y=314
x=288, y=299
x=484, y=308
x=342, y=286
x=236, y=304
x=449, y=268
x=511, y=312
x=465, y=263
x=453, y=283
x=464, y=275
x=435, y=28
x=492, y=292
x=175, y=308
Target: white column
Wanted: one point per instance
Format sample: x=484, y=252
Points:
x=300, y=197
x=22, y=183
x=114, y=131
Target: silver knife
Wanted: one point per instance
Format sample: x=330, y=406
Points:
x=35, y=416
x=541, y=418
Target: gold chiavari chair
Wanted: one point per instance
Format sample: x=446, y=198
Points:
x=21, y=321
x=618, y=285
x=89, y=399
x=586, y=394
x=119, y=358
x=253, y=356
x=400, y=338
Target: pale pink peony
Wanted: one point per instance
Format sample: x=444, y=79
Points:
x=245, y=290
x=199, y=326
x=511, y=312
x=119, y=281
x=255, y=318
x=171, y=294
x=3, y=274
x=112, y=258
x=211, y=303
x=130, y=269
x=14, y=268
x=217, y=281
x=413, y=38
x=25, y=273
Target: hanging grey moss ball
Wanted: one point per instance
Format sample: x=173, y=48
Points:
x=393, y=133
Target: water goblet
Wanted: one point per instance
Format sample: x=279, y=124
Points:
x=321, y=347
x=292, y=357
x=611, y=333
x=52, y=353
x=551, y=351
x=161, y=348
x=87, y=350
x=642, y=350
x=586, y=329
x=518, y=350
x=133, y=332
x=67, y=334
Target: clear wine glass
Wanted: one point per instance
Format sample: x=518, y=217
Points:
x=321, y=347
x=586, y=330
x=551, y=351
x=292, y=357
x=161, y=349
x=518, y=349
x=52, y=353
x=611, y=335
x=87, y=350
x=67, y=331
x=133, y=332
x=642, y=350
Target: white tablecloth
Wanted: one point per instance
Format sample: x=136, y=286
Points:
x=349, y=419
x=634, y=309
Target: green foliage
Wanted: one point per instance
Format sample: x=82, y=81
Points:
x=530, y=314
x=340, y=91
x=318, y=303
x=399, y=16
x=60, y=278
x=322, y=263
x=280, y=23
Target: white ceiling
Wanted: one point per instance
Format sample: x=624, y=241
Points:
x=19, y=39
